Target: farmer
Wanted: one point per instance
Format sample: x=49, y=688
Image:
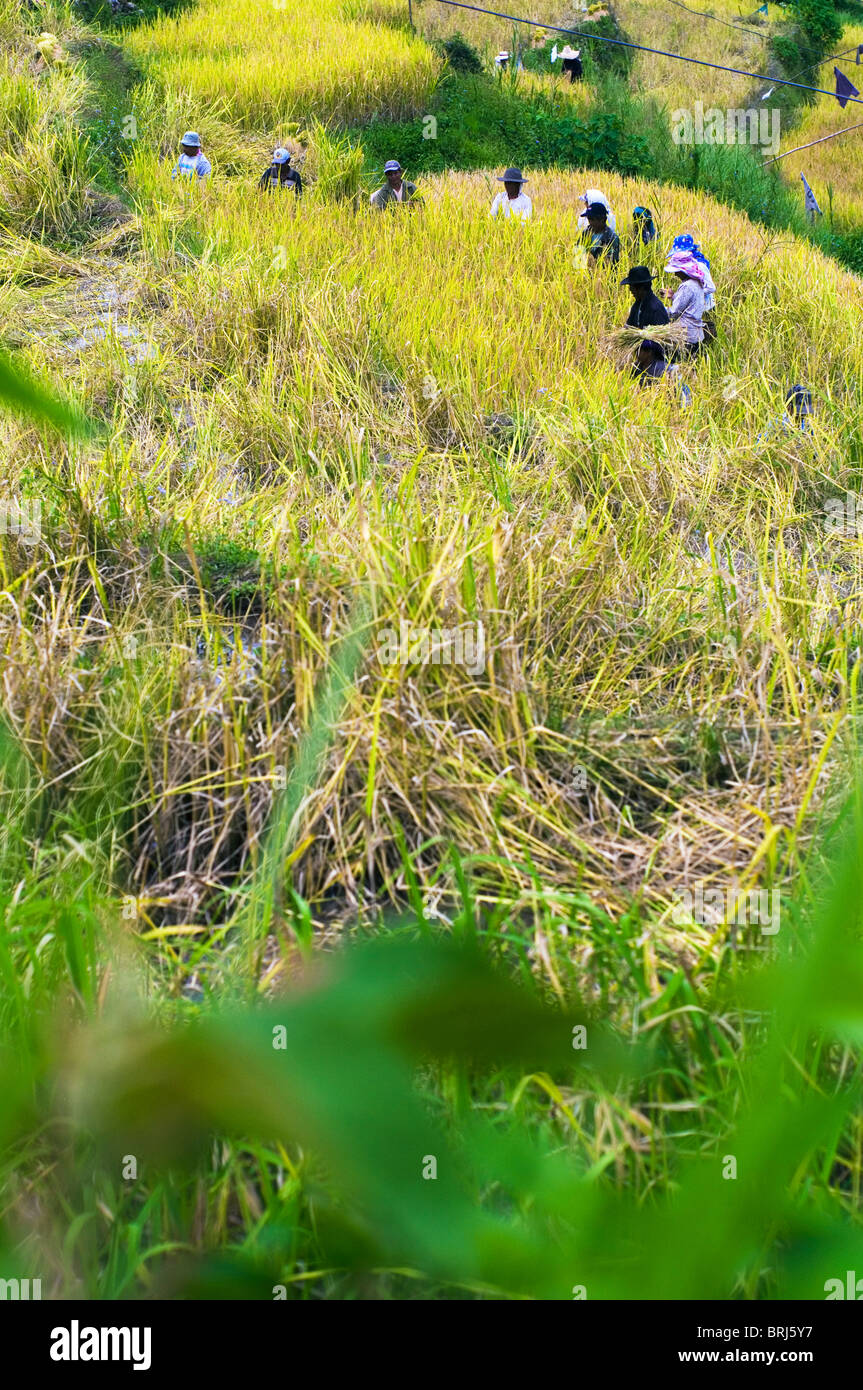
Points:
x=512, y=202
x=647, y=308
x=645, y=231
x=572, y=63
x=798, y=408
x=593, y=195
x=798, y=400
x=279, y=174
x=604, y=244
x=650, y=363
x=191, y=162
x=688, y=244
x=687, y=305
x=395, y=190
x=651, y=366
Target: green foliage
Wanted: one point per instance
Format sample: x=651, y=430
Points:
x=335, y=163
x=461, y=56
x=366, y=1073
x=819, y=22
x=22, y=394
x=482, y=122
x=604, y=58
x=815, y=31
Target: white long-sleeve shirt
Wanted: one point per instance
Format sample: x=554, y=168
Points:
x=512, y=207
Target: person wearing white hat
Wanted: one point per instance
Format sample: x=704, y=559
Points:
x=593, y=195
x=512, y=201
x=279, y=174
x=396, y=189
x=571, y=62
x=192, y=163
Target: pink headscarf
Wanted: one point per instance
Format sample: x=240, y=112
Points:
x=688, y=265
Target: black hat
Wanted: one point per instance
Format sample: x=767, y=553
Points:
x=511, y=176
x=638, y=275
x=598, y=210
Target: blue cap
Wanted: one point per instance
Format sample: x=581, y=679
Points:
x=281, y=155
x=392, y=166
x=191, y=137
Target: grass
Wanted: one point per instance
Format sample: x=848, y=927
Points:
x=218, y=788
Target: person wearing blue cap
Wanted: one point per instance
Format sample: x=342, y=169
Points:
x=279, y=174
x=192, y=163
x=512, y=202
x=396, y=189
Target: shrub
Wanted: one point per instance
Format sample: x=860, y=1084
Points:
x=460, y=55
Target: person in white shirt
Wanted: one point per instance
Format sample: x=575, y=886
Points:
x=512, y=202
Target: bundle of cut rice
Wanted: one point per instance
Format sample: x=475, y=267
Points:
x=50, y=50
x=623, y=343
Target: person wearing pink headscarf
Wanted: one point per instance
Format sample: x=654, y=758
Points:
x=687, y=306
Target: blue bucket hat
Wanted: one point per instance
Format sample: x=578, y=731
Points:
x=191, y=137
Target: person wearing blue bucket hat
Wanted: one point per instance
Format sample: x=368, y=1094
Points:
x=397, y=188
x=512, y=201
x=192, y=163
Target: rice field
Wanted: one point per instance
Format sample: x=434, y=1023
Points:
x=236, y=802
x=344, y=67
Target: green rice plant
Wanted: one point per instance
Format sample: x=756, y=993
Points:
x=335, y=164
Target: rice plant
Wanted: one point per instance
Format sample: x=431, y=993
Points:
x=389, y=676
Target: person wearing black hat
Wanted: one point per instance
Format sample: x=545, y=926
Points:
x=604, y=243
x=647, y=308
x=512, y=202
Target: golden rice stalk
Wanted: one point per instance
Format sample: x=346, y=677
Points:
x=50, y=49
x=622, y=343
